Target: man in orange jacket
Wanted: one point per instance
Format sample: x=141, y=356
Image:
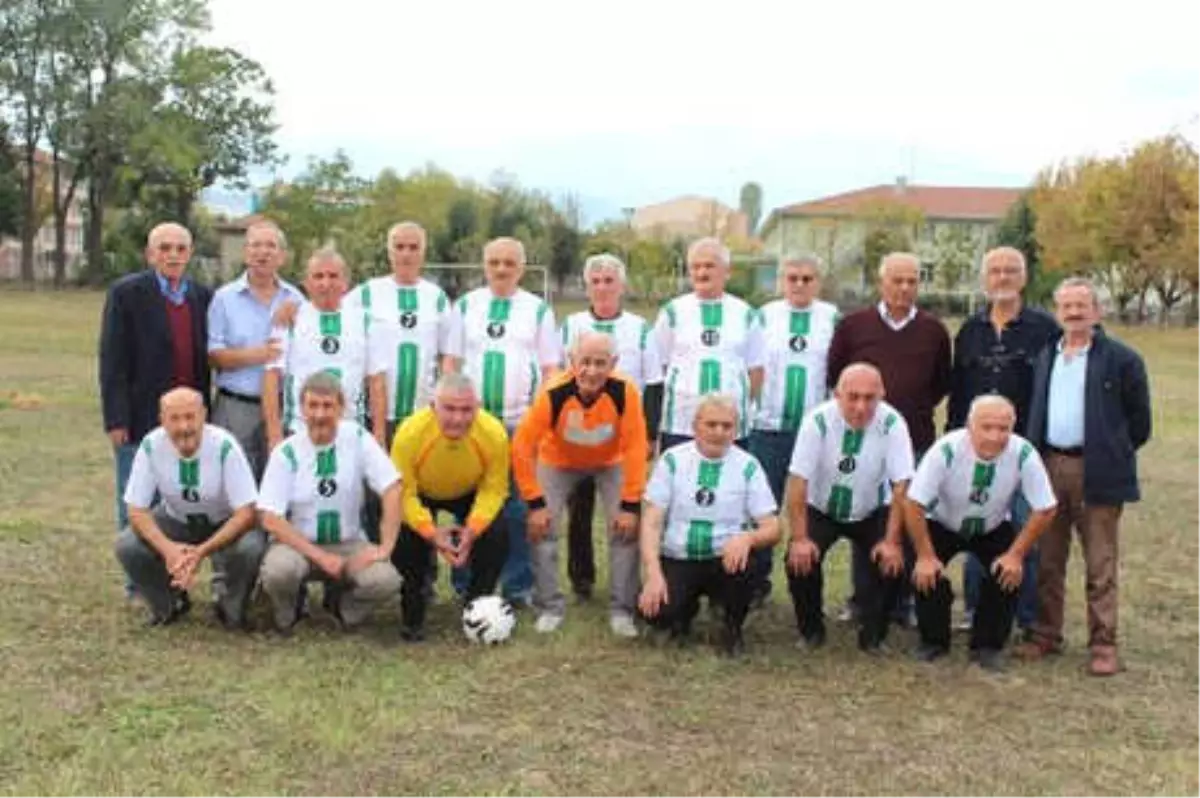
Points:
x=587, y=422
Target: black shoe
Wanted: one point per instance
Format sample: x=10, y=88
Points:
x=927, y=652
x=989, y=659
x=811, y=642
x=302, y=603
x=412, y=634
x=227, y=623
x=583, y=592
x=875, y=648
x=182, y=605
x=733, y=646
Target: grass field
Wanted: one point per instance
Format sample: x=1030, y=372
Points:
x=90, y=702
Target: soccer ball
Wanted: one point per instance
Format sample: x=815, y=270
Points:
x=488, y=619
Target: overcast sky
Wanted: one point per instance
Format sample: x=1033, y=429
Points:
x=626, y=103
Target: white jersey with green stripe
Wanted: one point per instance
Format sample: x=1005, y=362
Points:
x=970, y=495
x=408, y=327
x=637, y=350
x=850, y=472
x=208, y=486
x=797, y=346
x=708, y=346
x=320, y=488
x=504, y=342
x=333, y=341
x=707, y=501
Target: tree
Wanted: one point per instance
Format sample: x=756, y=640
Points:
x=1018, y=229
x=951, y=254
x=750, y=203
x=565, y=241
x=10, y=188
x=888, y=227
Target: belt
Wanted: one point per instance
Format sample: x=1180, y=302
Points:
x=1073, y=451
x=241, y=397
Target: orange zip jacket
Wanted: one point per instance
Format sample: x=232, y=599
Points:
x=560, y=431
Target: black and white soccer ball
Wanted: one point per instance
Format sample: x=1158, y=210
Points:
x=489, y=620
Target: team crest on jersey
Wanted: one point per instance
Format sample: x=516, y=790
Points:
x=710, y=337
x=327, y=487
x=190, y=494
x=330, y=345
x=408, y=319
x=705, y=497
x=495, y=329
x=847, y=464
x=979, y=496
x=798, y=343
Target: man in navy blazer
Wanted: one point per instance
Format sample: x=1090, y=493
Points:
x=1089, y=414
x=153, y=338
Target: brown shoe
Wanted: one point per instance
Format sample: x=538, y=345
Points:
x=1104, y=661
x=1036, y=648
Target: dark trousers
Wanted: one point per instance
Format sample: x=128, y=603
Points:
x=688, y=580
x=773, y=450
x=1027, y=601
x=994, y=613
x=581, y=556
x=414, y=556
x=876, y=594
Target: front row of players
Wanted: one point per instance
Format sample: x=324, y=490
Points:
x=706, y=506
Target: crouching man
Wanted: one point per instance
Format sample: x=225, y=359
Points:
x=694, y=538
x=206, y=509
x=311, y=503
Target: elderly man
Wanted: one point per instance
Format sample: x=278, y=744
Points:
x=637, y=350
x=239, y=338
x=798, y=329
x=311, y=504
x=505, y=339
x=994, y=353
x=852, y=458
x=710, y=341
x=152, y=339
x=911, y=348
x=452, y=458
x=585, y=424
x=1089, y=414
x=190, y=498
x=958, y=502
x=326, y=335
x=708, y=506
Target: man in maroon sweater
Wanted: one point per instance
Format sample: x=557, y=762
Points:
x=911, y=348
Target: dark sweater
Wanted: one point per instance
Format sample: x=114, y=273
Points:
x=915, y=363
x=179, y=319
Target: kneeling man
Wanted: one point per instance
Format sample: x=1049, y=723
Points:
x=311, y=503
x=206, y=508
x=694, y=534
x=852, y=457
x=965, y=485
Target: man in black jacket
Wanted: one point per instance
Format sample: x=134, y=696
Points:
x=153, y=338
x=1089, y=414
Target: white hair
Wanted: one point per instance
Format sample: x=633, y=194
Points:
x=267, y=224
x=1079, y=282
x=995, y=251
x=453, y=382
x=165, y=227
x=720, y=401
x=701, y=243
x=328, y=255
x=610, y=343
x=604, y=262
x=406, y=225
x=896, y=257
x=987, y=400
x=506, y=240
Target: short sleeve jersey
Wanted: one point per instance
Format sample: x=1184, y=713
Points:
x=207, y=486
x=970, y=495
x=637, y=349
x=408, y=326
x=707, y=501
x=708, y=347
x=797, y=347
x=504, y=342
x=320, y=488
x=850, y=472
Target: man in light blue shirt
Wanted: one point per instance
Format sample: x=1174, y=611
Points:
x=239, y=346
x=1066, y=399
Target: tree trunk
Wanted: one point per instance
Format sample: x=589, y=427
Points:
x=94, y=233
x=60, y=227
x=29, y=221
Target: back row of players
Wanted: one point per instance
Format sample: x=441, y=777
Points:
x=298, y=398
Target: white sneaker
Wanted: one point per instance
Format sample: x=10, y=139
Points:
x=622, y=625
x=548, y=622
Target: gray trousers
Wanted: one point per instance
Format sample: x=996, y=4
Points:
x=235, y=567
x=623, y=555
x=284, y=570
x=245, y=422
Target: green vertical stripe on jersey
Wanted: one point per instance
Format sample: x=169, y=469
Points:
x=852, y=441
x=801, y=322
x=406, y=299
x=327, y=462
x=981, y=480
x=711, y=313
x=499, y=308
x=699, y=540
x=841, y=497
x=331, y=323
x=406, y=380
x=709, y=475
x=329, y=527
x=189, y=473
x=606, y=327
x=795, y=387
x=493, y=383
x=710, y=376
x=670, y=414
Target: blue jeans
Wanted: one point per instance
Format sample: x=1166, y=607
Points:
x=124, y=460
x=1027, y=599
x=516, y=577
x=773, y=450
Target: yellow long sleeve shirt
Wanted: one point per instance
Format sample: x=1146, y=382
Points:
x=438, y=468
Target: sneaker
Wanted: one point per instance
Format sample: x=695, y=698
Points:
x=928, y=653
x=965, y=622
x=548, y=622
x=989, y=659
x=412, y=634
x=848, y=614
x=622, y=625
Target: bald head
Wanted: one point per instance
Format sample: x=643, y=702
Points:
x=180, y=397
x=181, y=413
x=858, y=393
x=860, y=376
